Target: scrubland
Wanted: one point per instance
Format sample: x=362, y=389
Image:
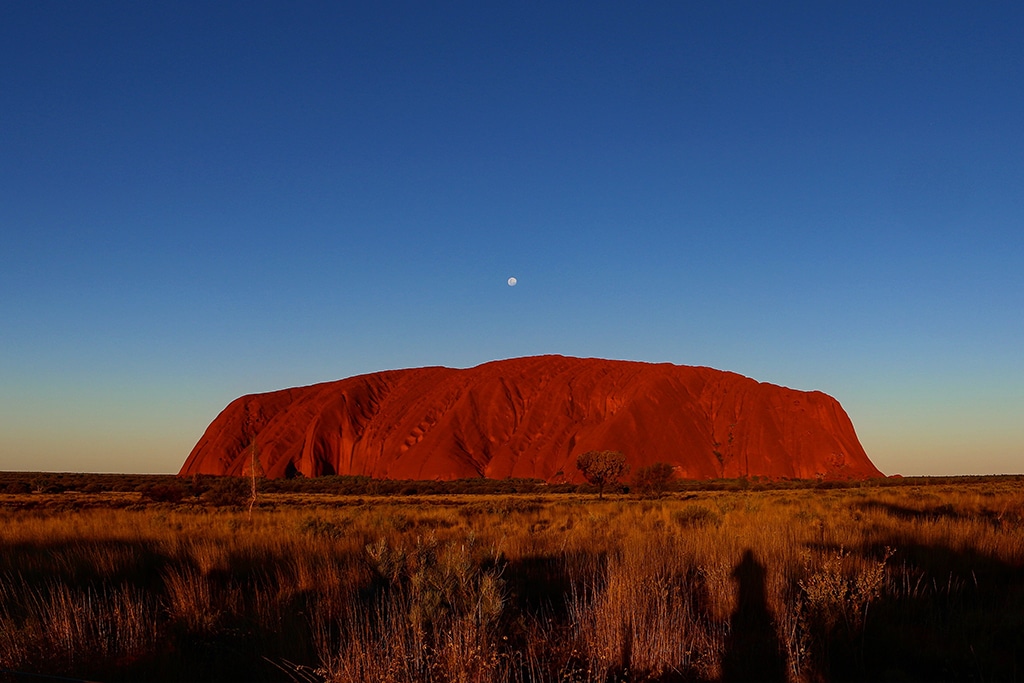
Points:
x=921, y=581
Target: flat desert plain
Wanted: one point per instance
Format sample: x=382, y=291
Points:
x=109, y=577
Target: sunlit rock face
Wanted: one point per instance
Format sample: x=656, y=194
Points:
x=531, y=417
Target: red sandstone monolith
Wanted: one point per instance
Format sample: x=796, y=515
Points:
x=531, y=417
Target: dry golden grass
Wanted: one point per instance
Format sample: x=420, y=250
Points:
x=910, y=582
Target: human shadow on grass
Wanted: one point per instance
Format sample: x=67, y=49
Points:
x=753, y=651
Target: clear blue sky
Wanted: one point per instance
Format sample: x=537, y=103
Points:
x=201, y=200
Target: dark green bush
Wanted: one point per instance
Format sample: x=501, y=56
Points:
x=227, y=491
x=163, y=493
x=18, y=488
x=653, y=479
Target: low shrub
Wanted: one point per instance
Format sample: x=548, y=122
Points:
x=227, y=491
x=691, y=516
x=162, y=493
x=653, y=479
x=317, y=526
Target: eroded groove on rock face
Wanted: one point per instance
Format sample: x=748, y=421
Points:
x=530, y=417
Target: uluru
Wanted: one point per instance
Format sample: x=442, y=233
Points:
x=530, y=418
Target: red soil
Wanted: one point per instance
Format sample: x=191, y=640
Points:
x=531, y=417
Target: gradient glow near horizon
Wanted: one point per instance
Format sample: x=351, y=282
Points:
x=199, y=201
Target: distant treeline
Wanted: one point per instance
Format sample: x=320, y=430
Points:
x=60, y=482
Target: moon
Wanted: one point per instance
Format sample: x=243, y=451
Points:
x=512, y=282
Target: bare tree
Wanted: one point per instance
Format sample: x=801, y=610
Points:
x=602, y=468
x=255, y=471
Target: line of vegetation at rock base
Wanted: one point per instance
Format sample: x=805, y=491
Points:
x=12, y=482
x=917, y=582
